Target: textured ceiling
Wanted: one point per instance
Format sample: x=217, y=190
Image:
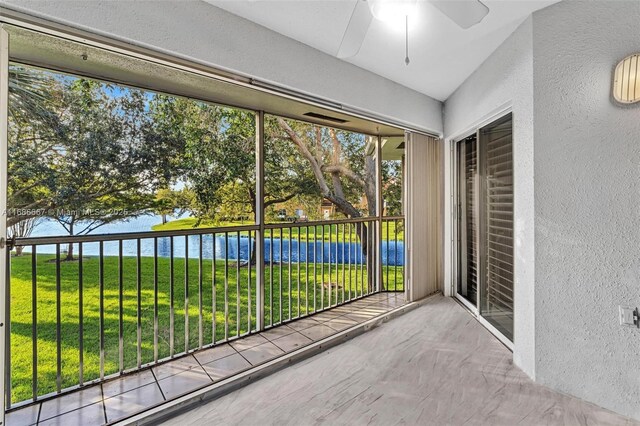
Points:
x=442, y=54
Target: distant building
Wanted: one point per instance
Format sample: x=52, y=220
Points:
x=327, y=209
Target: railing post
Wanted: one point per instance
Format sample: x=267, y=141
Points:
x=4, y=250
x=379, y=206
x=259, y=202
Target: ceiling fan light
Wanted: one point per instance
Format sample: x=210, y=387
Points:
x=392, y=10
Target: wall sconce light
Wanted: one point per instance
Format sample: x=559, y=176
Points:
x=626, y=80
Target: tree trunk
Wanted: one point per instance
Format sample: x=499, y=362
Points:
x=69, y=252
x=366, y=245
x=371, y=278
x=252, y=260
x=252, y=197
x=70, y=247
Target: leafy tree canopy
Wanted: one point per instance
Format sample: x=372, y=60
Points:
x=93, y=153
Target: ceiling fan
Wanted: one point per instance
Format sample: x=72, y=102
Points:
x=465, y=13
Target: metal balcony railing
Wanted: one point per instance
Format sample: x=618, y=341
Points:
x=128, y=301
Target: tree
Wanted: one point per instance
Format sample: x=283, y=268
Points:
x=171, y=202
x=218, y=162
x=100, y=153
x=109, y=169
x=392, y=187
x=34, y=124
x=288, y=177
x=195, y=129
x=344, y=168
x=31, y=96
x=219, y=158
x=22, y=229
x=335, y=172
x=94, y=160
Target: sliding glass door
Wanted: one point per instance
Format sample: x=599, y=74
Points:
x=485, y=223
x=496, y=293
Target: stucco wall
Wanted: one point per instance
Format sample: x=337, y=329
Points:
x=204, y=33
x=506, y=78
x=577, y=178
x=587, y=203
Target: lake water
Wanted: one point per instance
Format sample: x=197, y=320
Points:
x=232, y=249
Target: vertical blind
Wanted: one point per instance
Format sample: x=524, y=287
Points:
x=424, y=200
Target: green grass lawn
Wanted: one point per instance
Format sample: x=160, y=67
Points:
x=339, y=231
x=238, y=278
x=192, y=223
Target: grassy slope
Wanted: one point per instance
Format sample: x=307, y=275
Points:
x=21, y=310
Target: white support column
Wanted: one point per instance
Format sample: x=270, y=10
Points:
x=406, y=204
x=260, y=220
x=379, y=205
x=4, y=266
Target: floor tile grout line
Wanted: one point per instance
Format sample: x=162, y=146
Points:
x=204, y=369
x=284, y=325
x=245, y=358
x=261, y=362
x=288, y=335
x=39, y=412
x=104, y=406
x=67, y=412
x=180, y=358
x=276, y=345
x=331, y=328
x=256, y=334
x=124, y=378
x=237, y=351
x=237, y=372
x=157, y=382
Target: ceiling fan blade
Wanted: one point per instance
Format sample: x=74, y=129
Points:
x=356, y=30
x=465, y=13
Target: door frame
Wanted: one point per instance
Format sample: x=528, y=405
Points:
x=5, y=370
x=455, y=261
x=452, y=215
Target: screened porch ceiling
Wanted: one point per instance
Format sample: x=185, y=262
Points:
x=39, y=49
x=393, y=148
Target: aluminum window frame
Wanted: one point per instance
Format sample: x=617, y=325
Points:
x=27, y=22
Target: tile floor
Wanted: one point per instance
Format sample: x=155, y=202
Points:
x=435, y=365
x=131, y=394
